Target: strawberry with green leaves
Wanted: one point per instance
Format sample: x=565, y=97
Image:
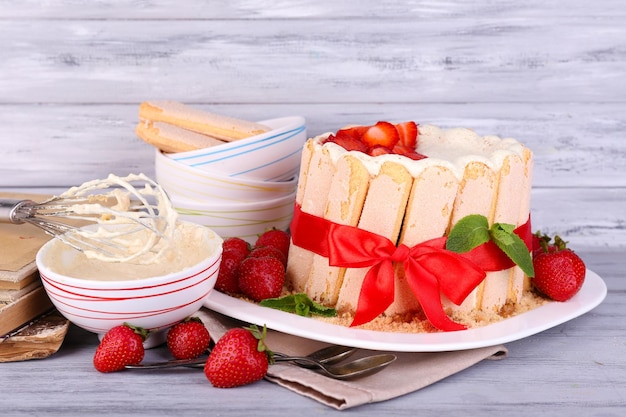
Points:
x=122, y=345
x=240, y=357
x=188, y=339
x=559, y=272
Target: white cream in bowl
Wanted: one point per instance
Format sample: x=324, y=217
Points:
x=190, y=244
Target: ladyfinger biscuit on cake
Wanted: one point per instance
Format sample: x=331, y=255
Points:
x=215, y=125
x=430, y=205
x=345, y=202
x=477, y=194
x=305, y=161
x=170, y=138
x=296, y=271
x=318, y=178
x=508, y=285
x=427, y=217
x=513, y=187
x=524, y=211
x=382, y=213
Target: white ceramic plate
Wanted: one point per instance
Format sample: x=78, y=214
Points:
x=545, y=317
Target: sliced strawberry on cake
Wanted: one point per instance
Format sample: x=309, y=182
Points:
x=407, y=134
x=383, y=134
x=348, y=142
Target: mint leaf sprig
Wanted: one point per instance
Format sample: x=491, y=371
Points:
x=473, y=230
x=299, y=304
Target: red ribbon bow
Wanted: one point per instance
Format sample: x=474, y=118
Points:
x=430, y=269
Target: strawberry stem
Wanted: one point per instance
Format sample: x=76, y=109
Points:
x=143, y=333
x=260, y=335
x=544, y=241
x=559, y=243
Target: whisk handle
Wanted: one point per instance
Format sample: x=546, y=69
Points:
x=12, y=210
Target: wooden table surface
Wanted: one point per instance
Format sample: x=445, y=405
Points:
x=549, y=73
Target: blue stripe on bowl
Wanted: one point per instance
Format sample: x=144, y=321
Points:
x=290, y=155
x=243, y=148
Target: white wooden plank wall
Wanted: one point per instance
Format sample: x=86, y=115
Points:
x=549, y=73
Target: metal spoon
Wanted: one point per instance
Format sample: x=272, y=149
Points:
x=328, y=355
x=358, y=368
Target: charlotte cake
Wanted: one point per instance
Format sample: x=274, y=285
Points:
x=409, y=193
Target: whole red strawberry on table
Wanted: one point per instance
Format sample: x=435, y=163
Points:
x=559, y=271
x=120, y=346
x=239, y=357
x=188, y=339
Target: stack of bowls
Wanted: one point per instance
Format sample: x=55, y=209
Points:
x=239, y=188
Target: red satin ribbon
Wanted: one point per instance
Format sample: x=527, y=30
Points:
x=430, y=269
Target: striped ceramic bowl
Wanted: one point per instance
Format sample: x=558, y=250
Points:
x=245, y=220
x=271, y=156
x=154, y=303
x=191, y=183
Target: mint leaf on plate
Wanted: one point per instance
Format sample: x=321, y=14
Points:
x=299, y=304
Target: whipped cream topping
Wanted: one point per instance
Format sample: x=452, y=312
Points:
x=451, y=148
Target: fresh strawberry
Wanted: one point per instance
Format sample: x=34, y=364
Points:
x=261, y=278
x=120, y=346
x=188, y=339
x=240, y=357
x=407, y=133
x=407, y=151
x=349, y=143
x=416, y=156
x=378, y=150
x=236, y=243
x=379, y=139
x=382, y=133
x=559, y=272
x=228, y=275
x=355, y=132
x=269, y=251
x=276, y=238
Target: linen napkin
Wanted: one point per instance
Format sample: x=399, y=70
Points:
x=410, y=372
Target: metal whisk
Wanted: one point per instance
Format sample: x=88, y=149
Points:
x=131, y=219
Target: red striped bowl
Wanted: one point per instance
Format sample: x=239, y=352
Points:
x=154, y=303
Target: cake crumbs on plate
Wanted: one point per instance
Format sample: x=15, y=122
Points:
x=416, y=322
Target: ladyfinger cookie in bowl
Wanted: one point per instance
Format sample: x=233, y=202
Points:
x=215, y=125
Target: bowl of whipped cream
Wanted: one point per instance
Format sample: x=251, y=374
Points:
x=152, y=286
x=98, y=294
